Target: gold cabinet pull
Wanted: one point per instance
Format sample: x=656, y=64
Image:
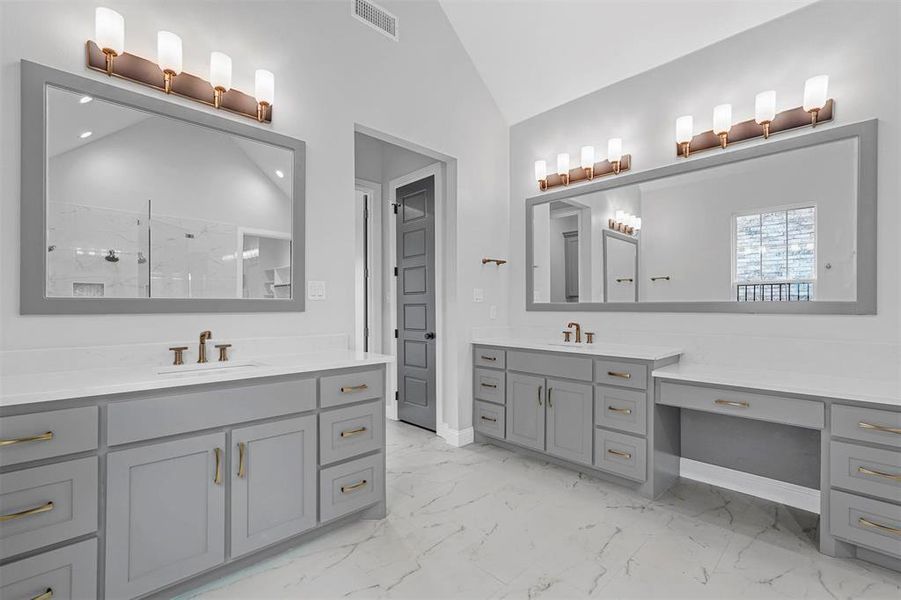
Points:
x=875, y=427
x=550, y=403
x=347, y=389
x=489, y=358
x=492, y=419
x=624, y=280
x=27, y=512
x=242, y=459
x=489, y=385
x=45, y=596
x=867, y=471
x=619, y=453
x=539, y=394
x=353, y=432
x=622, y=411
x=879, y=526
x=217, y=478
x=44, y=437
x=620, y=374
x=346, y=489
x=734, y=403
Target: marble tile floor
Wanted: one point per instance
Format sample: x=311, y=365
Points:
x=482, y=522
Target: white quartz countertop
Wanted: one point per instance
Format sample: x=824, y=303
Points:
x=601, y=348
x=874, y=391
x=17, y=390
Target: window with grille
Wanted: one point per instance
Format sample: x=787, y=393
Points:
x=775, y=255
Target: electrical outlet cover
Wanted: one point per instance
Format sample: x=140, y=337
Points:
x=316, y=290
x=478, y=295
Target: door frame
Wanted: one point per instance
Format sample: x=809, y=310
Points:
x=437, y=171
x=374, y=251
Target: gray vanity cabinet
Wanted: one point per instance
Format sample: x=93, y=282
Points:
x=165, y=513
x=525, y=410
x=273, y=479
x=569, y=420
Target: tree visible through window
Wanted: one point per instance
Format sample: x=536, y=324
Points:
x=775, y=255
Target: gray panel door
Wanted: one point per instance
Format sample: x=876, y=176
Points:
x=569, y=422
x=165, y=513
x=416, y=303
x=571, y=265
x=525, y=410
x=273, y=482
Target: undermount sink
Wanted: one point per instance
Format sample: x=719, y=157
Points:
x=569, y=344
x=205, y=368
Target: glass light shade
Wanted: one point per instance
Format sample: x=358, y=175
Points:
x=620, y=216
x=587, y=157
x=815, y=90
x=220, y=70
x=264, y=86
x=765, y=106
x=722, y=118
x=685, y=129
x=637, y=223
x=168, y=51
x=563, y=163
x=109, y=30
x=614, y=149
x=540, y=170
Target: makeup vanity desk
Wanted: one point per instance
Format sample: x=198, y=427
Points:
x=616, y=412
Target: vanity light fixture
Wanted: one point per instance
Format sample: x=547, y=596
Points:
x=815, y=90
x=624, y=222
x=684, y=133
x=563, y=167
x=109, y=29
x=587, y=161
x=765, y=110
x=264, y=91
x=541, y=174
x=722, y=122
x=168, y=57
x=220, y=75
x=615, y=153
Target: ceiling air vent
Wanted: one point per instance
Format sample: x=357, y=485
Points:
x=376, y=17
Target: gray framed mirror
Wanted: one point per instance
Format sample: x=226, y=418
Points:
x=785, y=226
x=134, y=204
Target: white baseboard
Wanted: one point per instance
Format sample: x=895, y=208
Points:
x=391, y=411
x=763, y=487
x=456, y=437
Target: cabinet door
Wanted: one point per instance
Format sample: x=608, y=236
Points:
x=569, y=422
x=525, y=410
x=273, y=482
x=165, y=513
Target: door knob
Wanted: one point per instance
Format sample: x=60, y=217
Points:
x=430, y=335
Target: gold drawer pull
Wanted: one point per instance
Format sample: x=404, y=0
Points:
x=491, y=358
x=489, y=385
x=620, y=374
x=346, y=489
x=45, y=596
x=242, y=462
x=624, y=280
x=619, y=453
x=879, y=526
x=867, y=471
x=734, y=403
x=353, y=432
x=217, y=478
x=44, y=437
x=622, y=411
x=346, y=389
x=27, y=513
x=492, y=419
x=883, y=428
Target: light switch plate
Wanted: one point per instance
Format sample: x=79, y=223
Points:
x=316, y=290
x=478, y=295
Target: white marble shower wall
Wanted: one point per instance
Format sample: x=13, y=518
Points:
x=191, y=258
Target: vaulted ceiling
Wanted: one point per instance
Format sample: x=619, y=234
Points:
x=537, y=54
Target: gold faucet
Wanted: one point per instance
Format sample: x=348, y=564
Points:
x=204, y=336
x=578, y=331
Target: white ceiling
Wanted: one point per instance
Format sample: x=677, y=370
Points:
x=537, y=54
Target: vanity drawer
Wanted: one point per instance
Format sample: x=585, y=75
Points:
x=47, y=504
x=489, y=357
x=345, y=388
x=182, y=411
x=867, y=470
x=626, y=374
x=350, y=431
x=47, y=434
x=866, y=424
x=489, y=419
x=625, y=455
x=552, y=365
x=68, y=573
x=870, y=523
x=490, y=385
x=351, y=486
x=625, y=410
x=776, y=409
